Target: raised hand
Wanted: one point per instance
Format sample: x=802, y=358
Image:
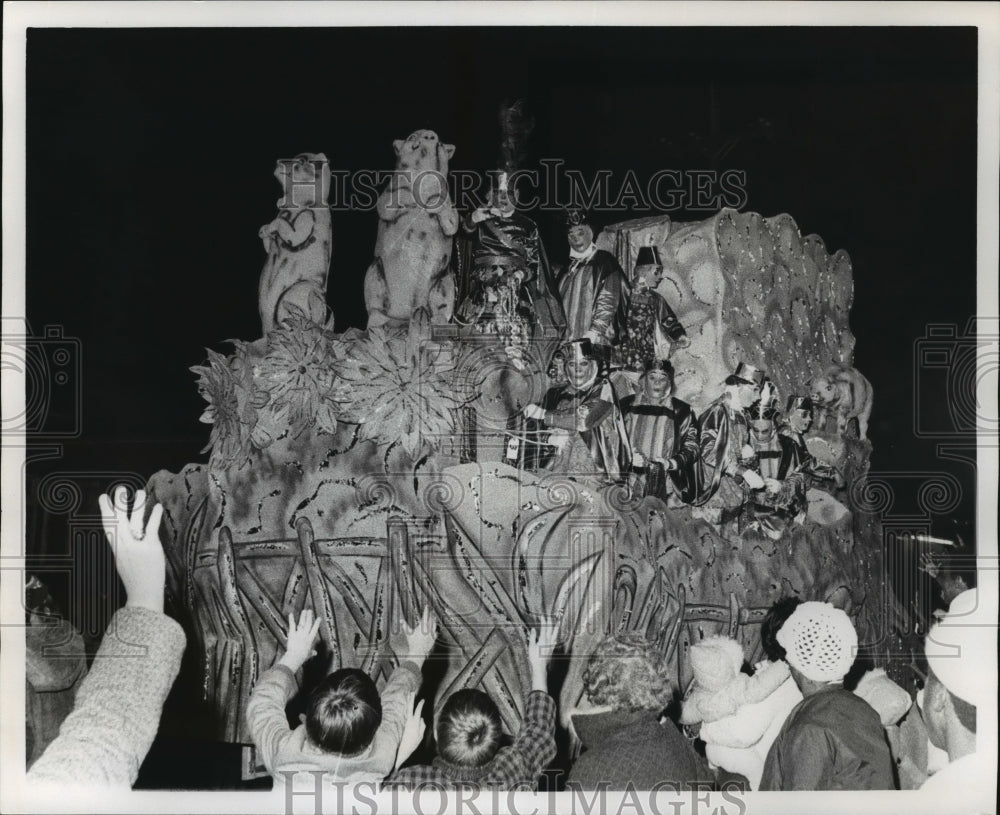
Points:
x=300, y=645
x=421, y=637
x=541, y=644
x=413, y=731
x=139, y=555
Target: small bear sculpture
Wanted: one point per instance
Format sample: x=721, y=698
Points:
x=410, y=277
x=843, y=392
x=299, y=242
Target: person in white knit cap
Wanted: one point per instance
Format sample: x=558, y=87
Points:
x=961, y=654
x=833, y=739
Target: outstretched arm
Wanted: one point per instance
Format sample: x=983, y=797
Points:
x=266, y=718
x=117, y=711
x=401, y=730
x=535, y=746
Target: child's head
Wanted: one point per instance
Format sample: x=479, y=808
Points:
x=344, y=712
x=715, y=662
x=469, y=730
x=775, y=618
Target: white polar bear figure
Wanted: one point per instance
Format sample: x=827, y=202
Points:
x=410, y=276
x=299, y=242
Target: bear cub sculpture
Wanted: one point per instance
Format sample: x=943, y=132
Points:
x=299, y=242
x=842, y=393
x=410, y=279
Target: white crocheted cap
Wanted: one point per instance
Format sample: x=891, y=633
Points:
x=819, y=641
x=961, y=647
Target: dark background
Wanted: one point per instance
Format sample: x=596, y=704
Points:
x=150, y=153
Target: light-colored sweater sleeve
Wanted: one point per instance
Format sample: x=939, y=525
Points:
x=117, y=712
x=266, y=719
x=396, y=708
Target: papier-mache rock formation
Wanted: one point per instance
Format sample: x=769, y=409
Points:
x=338, y=477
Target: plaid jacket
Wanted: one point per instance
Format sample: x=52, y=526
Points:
x=518, y=765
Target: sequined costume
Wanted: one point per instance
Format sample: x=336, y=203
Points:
x=647, y=311
x=663, y=432
x=493, y=251
x=594, y=296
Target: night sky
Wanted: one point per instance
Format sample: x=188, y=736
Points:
x=150, y=153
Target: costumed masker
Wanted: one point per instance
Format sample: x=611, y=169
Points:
x=780, y=502
x=584, y=415
x=663, y=437
x=727, y=459
x=593, y=289
x=651, y=327
x=797, y=464
x=506, y=284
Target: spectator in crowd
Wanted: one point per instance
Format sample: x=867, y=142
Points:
x=961, y=654
x=734, y=747
x=118, y=705
x=740, y=715
x=55, y=663
x=350, y=731
x=469, y=734
x=833, y=739
x=626, y=688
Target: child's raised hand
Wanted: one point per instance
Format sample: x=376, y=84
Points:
x=301, y=640
x=541, y=643
x=421, y=637
x=413, y=731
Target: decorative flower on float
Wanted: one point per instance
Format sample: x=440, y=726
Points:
x=401, y=391
x=225, y=383
x=256, y=397
x=297, y=376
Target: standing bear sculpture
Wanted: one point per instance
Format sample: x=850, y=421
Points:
x=843, y=393
x=299, y=242
x=410, y=278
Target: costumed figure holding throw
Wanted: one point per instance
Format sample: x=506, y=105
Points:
x=663, y=432
x=651, y=327
x=593, y=289
x=585, y=418
x=726, y=455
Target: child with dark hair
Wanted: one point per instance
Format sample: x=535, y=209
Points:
x=344, y=712
x=351, y=731
x=469, y=735
x=769, y=628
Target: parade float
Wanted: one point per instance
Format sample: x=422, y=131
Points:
x=369, y=473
